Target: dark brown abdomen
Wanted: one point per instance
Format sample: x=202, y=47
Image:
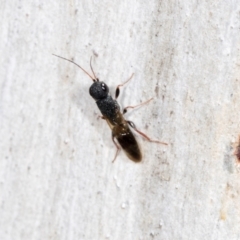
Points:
x=130, y=145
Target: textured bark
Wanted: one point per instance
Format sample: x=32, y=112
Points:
x=57, y=179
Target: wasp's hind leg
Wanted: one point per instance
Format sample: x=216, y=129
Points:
x=117, y=92
x=118, y=148
x=131, y=124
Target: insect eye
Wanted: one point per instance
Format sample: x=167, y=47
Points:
x=103, y=87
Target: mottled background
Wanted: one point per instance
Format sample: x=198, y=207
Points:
x=57, y=179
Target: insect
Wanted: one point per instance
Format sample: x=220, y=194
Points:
x=110, y=110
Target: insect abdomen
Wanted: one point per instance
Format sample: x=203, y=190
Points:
x=130, y=145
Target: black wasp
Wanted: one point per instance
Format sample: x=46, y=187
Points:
x=110, y=110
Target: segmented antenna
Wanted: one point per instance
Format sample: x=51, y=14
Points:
x=93, y=78
x=92, y=69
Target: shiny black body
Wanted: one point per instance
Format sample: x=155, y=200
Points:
x=111, y=113
x=110, y=110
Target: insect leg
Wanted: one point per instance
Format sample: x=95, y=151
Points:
x=125, y=109
x=102, y=117
x=131, y=124
x=120, y=85
x=118, y=148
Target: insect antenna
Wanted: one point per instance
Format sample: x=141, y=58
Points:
x=94, y=79
x=92, y=70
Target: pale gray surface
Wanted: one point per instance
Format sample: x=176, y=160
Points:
x=57, y=180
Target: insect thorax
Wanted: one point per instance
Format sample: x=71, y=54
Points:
x=108, y=107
